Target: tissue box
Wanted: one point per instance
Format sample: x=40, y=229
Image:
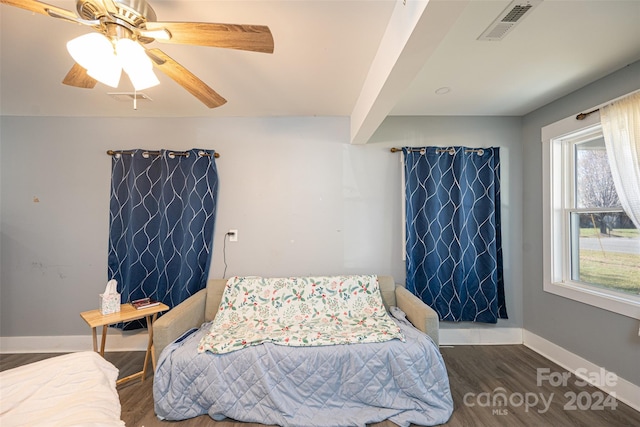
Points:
x=109, y=303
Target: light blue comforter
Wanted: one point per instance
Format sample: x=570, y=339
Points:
x=328, y=386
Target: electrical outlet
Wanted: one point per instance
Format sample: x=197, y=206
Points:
x=233, y=235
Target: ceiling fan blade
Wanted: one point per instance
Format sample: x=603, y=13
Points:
x=185, y=78
x=39, y=7
x=78, y=77
x=255, y=38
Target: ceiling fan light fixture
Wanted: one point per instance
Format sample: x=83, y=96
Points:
x=94, y=52
x=131, y=53
x=136, y=64
x=143, y=79
x=89, y=50
x=133, y=23
x=109, y=74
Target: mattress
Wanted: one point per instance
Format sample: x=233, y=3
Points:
x=324, y=386
x=76, y=389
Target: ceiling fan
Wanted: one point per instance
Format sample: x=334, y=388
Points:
x=124, y=27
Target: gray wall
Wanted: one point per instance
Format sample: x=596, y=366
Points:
x=304, y=200
x=503, y=132
x=602, y=337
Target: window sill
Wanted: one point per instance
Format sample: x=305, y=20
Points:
x=626, y=305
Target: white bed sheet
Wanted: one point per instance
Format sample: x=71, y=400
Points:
x=77, y=389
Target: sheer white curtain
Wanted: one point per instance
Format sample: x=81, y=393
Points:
x=621, y=128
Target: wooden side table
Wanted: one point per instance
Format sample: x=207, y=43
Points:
x=127, y=313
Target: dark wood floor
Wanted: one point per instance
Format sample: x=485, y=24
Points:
x=475, y=374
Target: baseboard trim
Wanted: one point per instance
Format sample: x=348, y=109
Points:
x=137, y=340
x=625, y=391
x=116, y=341
x=481, y=336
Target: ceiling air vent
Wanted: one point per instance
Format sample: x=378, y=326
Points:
x=507, y=20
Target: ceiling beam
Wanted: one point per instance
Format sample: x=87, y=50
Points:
x=414, y=32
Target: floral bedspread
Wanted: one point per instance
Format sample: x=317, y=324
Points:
x=299, y=311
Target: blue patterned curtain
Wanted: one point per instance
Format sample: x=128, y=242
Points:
x=162, y=214
x=453, y=238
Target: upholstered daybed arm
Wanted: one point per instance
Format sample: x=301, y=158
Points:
x=418, y=313
x=186, y=315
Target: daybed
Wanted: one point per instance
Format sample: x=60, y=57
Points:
x=272, y=374
x=76, y=389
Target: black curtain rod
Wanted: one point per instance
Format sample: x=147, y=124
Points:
x=440, y=150
x=583, y=116
x=157, y=153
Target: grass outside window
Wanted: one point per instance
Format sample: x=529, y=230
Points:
x=612, y=270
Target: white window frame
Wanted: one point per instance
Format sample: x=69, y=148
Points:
x=556, y=251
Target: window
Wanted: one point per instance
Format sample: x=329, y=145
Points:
x=591, y=247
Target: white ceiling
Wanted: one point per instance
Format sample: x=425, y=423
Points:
x=326, y=49
x=560, y=47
